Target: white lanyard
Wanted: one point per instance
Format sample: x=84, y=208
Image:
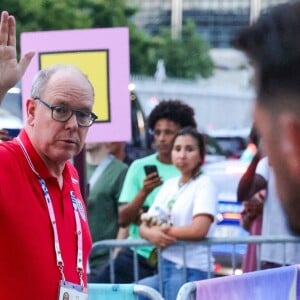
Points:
x=59, y=259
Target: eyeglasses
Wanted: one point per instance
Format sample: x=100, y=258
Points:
x=63, y=114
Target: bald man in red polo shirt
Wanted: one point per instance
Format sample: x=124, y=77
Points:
x=45, y=239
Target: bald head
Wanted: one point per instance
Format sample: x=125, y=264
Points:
x=43, y=77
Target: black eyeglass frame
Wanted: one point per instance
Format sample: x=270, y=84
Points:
x=93, y=116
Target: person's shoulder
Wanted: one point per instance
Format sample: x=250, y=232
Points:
x=12, y=145
x=149, y=159
x=204, y=179
x=119, y=164
x=204, y=183
x=8, y=149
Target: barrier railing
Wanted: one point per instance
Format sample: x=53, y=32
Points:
x=208, y=242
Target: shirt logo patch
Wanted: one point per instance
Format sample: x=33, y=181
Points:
x=81, y=209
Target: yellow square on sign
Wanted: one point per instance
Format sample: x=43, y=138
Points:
x=94, y=64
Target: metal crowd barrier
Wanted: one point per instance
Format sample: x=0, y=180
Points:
x=98, y=291
x=208, y=242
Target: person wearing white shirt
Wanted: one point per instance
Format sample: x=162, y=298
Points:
x=186, y=206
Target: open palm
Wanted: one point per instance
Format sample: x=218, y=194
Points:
x=11, y=69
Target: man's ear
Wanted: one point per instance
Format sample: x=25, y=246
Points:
x=30, y=111
x=290, y=142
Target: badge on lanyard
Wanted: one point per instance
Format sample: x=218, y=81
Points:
x=71, y=291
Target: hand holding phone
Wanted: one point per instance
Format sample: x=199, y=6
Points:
x=150, y=169
x=153, y=180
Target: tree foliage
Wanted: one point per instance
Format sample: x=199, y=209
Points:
x=186, y=58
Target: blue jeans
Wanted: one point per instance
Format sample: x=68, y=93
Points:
x=173, y=277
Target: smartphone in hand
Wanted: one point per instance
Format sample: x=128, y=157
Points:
x=150, y=169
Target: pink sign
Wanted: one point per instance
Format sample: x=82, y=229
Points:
x=103, y=55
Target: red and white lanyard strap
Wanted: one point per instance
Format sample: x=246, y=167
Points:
x=59, y=259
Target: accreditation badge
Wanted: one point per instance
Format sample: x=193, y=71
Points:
x=71, y=291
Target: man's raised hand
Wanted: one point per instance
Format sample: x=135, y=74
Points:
x=11, y=70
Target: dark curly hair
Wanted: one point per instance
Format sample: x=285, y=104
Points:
x=173, y=110
x=273, y=44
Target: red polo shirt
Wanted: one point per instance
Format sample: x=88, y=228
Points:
x=28, y=267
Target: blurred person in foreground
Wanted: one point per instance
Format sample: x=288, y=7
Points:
x=139, y=189
x=273, y=46
x=44, y=231
x=184, y=209
x=105, y=175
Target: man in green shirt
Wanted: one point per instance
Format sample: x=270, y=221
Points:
x=105, y=176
